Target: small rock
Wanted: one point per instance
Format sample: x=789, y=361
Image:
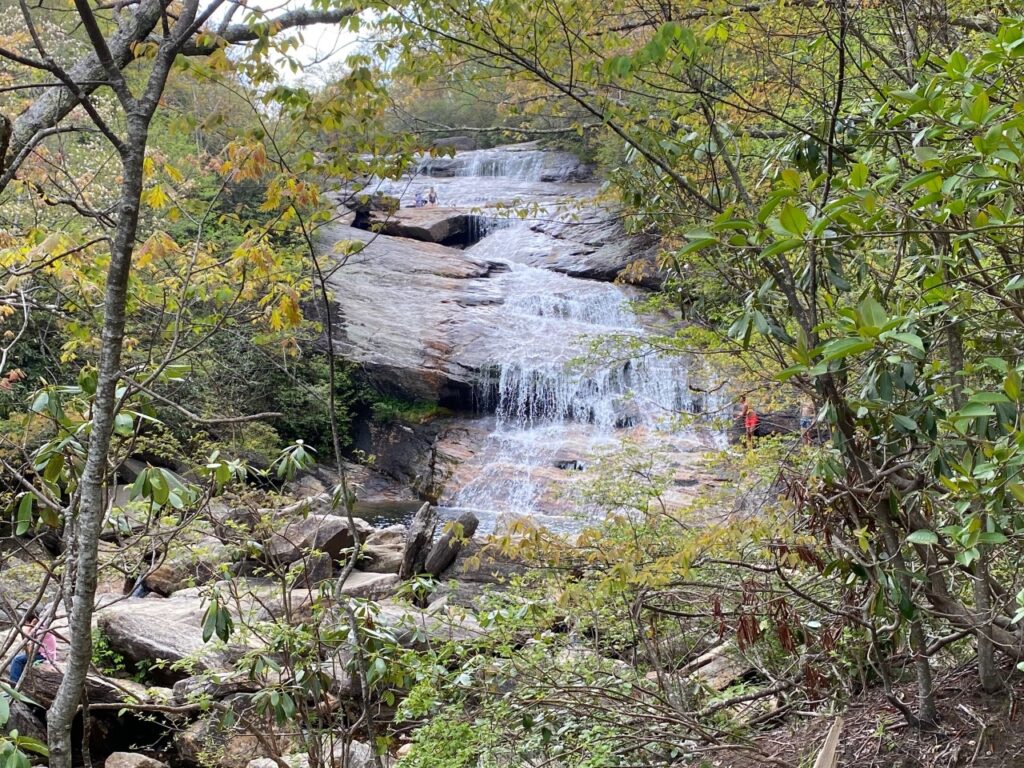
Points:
x=132, y=760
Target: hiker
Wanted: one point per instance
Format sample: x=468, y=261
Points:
x=42, y=646
x=420, y=199
x=806, y=420
x=750, y=420
x=432, y=197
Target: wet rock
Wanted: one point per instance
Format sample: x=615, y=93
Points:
x=417, y=542
x=446, y=549
x=131, y=760
x=324, y=533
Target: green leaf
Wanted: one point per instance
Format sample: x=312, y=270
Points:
x=911, y=340
x=992, y=537
x=974, y=411
x=123, y=424
x=872, y=314
x=989, y=397
x=924, y=536
x=25, y=513
x=793, y=219
x=780, y=246
x=841, y=348
x=905, y=422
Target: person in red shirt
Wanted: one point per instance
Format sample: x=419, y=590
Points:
x=750, y=420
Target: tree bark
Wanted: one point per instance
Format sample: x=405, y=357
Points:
x=94, y=476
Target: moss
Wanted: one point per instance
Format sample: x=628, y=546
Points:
x=389, y=410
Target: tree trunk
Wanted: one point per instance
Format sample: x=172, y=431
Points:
x=91, y=506
x=988, y=673
x=927, y=714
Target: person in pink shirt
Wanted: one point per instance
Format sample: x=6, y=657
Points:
x=42, y=646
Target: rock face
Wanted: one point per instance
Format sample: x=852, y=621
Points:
x=594, y=244
x=404, y=314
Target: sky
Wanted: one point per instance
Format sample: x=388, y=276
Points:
x=322, y=44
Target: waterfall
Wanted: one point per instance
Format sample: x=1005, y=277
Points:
x=555, y=402
x=549, y=403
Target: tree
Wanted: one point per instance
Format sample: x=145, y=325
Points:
x=130, y=53
x=844, y=177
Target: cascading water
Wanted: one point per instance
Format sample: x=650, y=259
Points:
x=551, y=403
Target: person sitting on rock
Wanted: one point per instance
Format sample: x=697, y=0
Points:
x=42, y=646
x=420, y=199
x=432, y=197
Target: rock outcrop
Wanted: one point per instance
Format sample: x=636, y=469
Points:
x=446, y=549
x=417, y=542
x=408, y=312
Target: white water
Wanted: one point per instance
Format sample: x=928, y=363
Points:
x=554, y=403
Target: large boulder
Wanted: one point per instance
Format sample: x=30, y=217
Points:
x=384, y=549
x=449, y=226
x=43, y=680
x=169, y=629
x=25, y=720
x=323, y=533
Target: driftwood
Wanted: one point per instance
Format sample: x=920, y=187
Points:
x=829, y=755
